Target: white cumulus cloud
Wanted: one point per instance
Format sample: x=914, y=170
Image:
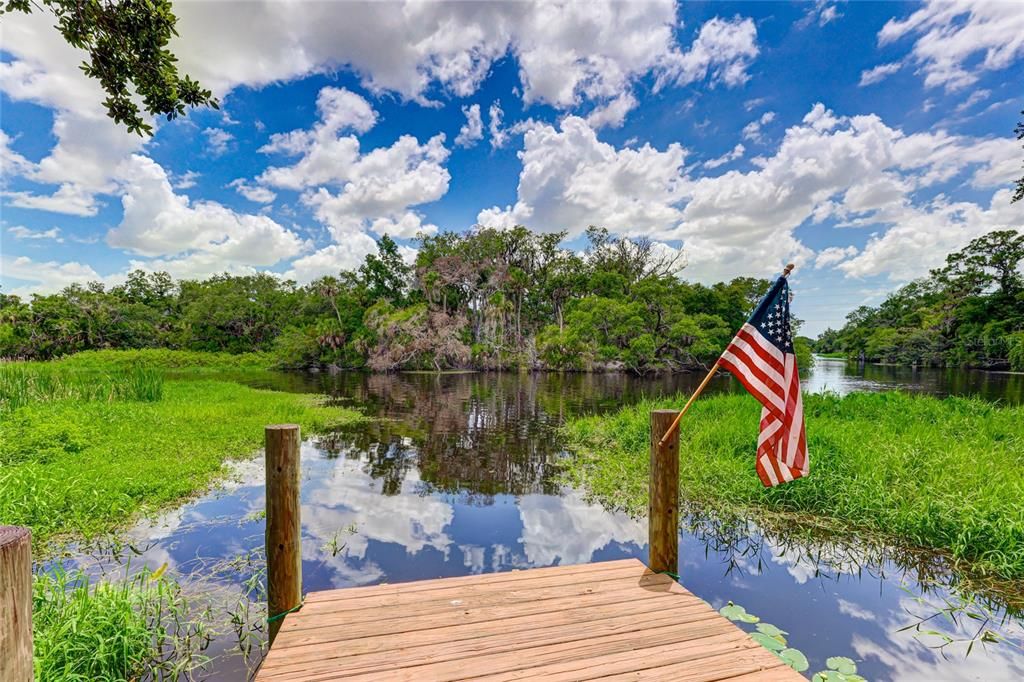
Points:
x=252, y=192
x=204, y=236
x=566, y=51
x=753, y=130
x=571, y=180
x=45, y=277
x=956, y=40
x=352, y=192
x=735, y=153
x=722, y=52
x=855, y=171
x=472, y=131
x=22, y=232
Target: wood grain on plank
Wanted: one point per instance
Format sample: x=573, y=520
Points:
x=344, y=656
x=467, y=600
x=398, y=623
x=750, y=665
x=562, y=572
x=574, y=618
x=613, y=621
x=395, y=595
x=632, y=661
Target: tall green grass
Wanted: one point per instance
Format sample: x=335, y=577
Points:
x=164, y=358
x=24, y=383
x=134, y=628
x=72, y=468
x=919, y=471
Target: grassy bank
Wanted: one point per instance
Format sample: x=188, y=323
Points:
x=73, y=467
x=162, y=358
x=943, y=474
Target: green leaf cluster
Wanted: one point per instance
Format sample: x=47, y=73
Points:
x=126, y=43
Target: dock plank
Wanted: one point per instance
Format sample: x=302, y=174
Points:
x=614, y=620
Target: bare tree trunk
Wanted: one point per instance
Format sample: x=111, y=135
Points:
x=519, y=319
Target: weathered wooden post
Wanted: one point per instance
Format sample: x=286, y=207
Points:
x=284, y=524
x=15, y=604
x=663, y=502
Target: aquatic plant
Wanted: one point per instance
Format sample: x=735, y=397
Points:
x=24, y=383
x=965, y=613
x=135, y=627
x=165, y=358
x=335, y=545
x=80, y=468
x=911, y=470
x=773, y=638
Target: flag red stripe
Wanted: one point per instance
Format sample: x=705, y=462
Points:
x=754, y=387
x=756, y=374
x=765, y=350
x=771, y=376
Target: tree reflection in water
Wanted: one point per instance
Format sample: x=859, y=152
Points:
x=483, y=440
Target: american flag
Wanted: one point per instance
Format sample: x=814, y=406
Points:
x=762, y=358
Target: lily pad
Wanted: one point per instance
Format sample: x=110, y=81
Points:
x=828, y=676
x=836, y=676
x=772, y=631
x=795, y=659
x=842, y=664
x=738, y=613
x=769, y=643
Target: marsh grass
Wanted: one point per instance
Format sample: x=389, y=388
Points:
x=917, y=471
x=25, y=383
x=140, y=627
x=165, y=358
x=71, y=468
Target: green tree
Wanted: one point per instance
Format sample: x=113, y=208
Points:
x=235, y=314
x=386, y=273
x=490, y=299
x=992, y=259
x=126, y=42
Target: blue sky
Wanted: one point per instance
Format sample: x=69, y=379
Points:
x=863, y=141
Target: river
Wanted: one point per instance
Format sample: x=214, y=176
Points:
x=458, y=475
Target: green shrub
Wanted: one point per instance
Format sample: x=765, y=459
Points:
x=135, y=628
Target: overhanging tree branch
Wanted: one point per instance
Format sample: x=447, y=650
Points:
x=127, y=46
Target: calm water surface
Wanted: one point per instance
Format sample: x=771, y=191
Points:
x=458, y=476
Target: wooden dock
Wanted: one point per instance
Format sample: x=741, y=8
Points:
x=615, y=620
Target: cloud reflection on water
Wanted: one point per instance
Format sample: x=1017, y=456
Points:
x=458, y=477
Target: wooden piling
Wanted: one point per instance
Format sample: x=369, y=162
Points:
x=284, y=524
x=15, y=604
x=663, y=499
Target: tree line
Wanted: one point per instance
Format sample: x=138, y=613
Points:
x=970, y=312
x=488, y=299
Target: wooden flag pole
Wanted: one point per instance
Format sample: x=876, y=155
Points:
x=711, y=372
x=675, y=423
